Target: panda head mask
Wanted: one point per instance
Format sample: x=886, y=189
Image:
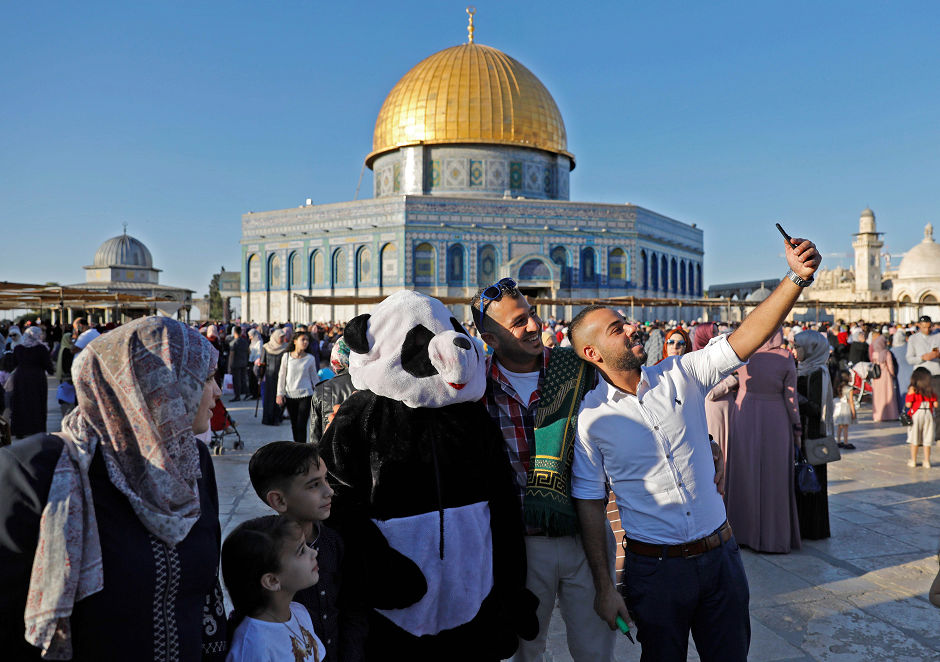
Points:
x=411, y=348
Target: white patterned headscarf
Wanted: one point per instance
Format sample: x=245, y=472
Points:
x=32, y=337
x=138, y=390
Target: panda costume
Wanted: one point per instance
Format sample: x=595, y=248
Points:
x=423, y=492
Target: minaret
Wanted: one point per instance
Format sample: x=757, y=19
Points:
x=867, y=245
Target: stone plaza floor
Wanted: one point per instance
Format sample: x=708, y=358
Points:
x=858, y=596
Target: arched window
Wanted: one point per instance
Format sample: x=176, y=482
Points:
x=682, y=276
x=654, y=272
x=425, y=259
x=674, y=276
x=295, y=273
x=534, y=269
x=274, y=272
x=340, y=274
x=664, y=274
x=559, y=256
x=691, y=279
x=316, y=268
x=486, y=272
x=617, y=268
x=389, y=265
x=456, y=265
x=645, y=278
x=698, y=280
x=364, y=268
x=254, y=273
x=588, y=266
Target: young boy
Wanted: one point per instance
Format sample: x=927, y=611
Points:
x=291, y=479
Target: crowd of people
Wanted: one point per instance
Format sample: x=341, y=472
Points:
x=118, y=514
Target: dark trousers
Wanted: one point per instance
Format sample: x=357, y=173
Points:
x=299, y=411
x=240, y=382
x=707, y=595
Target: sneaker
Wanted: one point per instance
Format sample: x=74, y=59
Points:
x=911, y=463
x=927, y=464
x=235, y=400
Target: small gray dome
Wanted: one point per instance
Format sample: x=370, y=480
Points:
x=759, y=294
x=866, y=222
x=123, y=251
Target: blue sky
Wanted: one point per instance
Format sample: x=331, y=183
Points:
x=178, y=117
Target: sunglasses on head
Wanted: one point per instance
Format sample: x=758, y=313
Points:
x=678, y=343
x=493, y=293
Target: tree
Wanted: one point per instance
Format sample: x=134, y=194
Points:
x=215, y=299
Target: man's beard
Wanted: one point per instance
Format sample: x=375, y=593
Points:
x=627, y=361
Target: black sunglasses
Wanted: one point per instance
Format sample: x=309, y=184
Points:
x=679, y=343
x=493, y=293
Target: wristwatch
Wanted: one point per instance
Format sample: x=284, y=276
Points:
x=799, y=281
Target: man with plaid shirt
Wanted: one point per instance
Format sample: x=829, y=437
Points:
x=557, y=566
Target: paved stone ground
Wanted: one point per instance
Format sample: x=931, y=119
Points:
x=858, y=596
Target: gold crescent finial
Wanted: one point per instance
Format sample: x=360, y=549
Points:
x=471, y=10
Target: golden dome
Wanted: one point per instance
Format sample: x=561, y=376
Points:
x=469, y=94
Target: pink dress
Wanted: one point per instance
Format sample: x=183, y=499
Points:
x=718, y=406
x=884, y=395
x=759, y=494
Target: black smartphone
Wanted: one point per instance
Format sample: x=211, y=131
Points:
x=786, y=237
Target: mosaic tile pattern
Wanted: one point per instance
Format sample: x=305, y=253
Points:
x=455, y=173
x=435, y=174
x=515, y=175
x=397, y=178
x=547, y=181
x=497, y=174
x=476, y=173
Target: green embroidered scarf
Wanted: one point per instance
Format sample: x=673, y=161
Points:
x=547, y=500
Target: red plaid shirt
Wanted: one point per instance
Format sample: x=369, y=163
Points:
x=516, y=420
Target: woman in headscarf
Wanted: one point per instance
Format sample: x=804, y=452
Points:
x=765, y=431
x=899, y=349
x=328, y=395
x=885, y=388
x=676, y=343
x=271, y=355
x=815, y=387
x=28, y=407
x=109, y=532
x=14, y=338
x=255, y=346
x=704, y=332
x=212, y=334
x=654, y=347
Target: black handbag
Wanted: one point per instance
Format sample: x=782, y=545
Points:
x=804, y=475
x=905, y=417
x=875, y=371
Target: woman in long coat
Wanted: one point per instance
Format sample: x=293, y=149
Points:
x=765, y=428
x=884, y=389
x=32, y=361
x=271, y=355
x=814, y=384
x=109, y=532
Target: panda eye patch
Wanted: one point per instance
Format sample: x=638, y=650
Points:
x=458, y=327
x=415, y=359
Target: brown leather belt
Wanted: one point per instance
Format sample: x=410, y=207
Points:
x=686, y=549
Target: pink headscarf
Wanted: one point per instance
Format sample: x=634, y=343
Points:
x=774, y=342
x=138, y=389
x=703, y=333
x=212, y=333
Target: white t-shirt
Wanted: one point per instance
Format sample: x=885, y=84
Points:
x=524, y=383
x=86, y=338
x=262, y=641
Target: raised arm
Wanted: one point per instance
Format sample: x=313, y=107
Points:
x=768, y=316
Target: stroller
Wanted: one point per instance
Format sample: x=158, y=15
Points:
x=861, y=381
x=221, y=425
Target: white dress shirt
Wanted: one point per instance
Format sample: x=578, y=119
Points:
x=918, y=345
x=653, y=448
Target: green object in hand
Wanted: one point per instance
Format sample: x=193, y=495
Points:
x=622, y=624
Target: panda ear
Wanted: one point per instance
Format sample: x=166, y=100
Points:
x=355, y=334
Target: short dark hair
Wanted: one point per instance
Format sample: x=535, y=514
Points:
x=237, y=331
x=274, y=465
x=579, y=320
x=476, y=301
x=293, y=346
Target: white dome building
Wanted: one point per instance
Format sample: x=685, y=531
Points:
x=918, y=280
x=124, y=265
